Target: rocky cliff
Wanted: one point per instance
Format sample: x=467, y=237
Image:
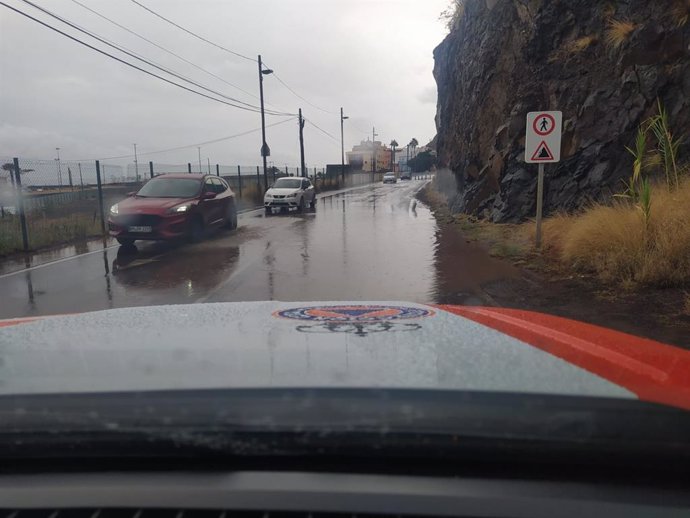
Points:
x=602, y=63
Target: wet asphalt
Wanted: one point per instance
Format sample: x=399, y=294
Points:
x=374, y=243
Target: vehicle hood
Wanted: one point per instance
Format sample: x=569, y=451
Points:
x=281, y=192
x=329, y=344
x=135, y=204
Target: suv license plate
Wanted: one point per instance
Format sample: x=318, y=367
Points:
x=140, y=229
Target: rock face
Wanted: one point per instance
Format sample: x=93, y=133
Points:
x=509, y=57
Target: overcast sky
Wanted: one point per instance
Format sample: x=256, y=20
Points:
x=373, y=57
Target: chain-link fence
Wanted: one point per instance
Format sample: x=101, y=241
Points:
x=45, y=203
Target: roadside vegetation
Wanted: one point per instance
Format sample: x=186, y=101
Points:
x=638, y=239
x=47, y=232
x=641, y=238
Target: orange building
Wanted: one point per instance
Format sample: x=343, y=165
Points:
x=361, y=156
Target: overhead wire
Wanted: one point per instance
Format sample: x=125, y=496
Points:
x=329, y=135
x=300, y=97
x=192, y=33
x=144, y=38
x=290, y=89
x=125, y=62
x=134, y=55
x=188, y=146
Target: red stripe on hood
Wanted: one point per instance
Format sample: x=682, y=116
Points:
x=15, y=321
x=655, y=372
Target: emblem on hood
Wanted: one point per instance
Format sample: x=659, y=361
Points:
x=353, y=313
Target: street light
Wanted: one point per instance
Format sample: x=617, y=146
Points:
x=136, y=163
x=342, y=146
x=59, y=169
x=265, y=150
x=373, y=152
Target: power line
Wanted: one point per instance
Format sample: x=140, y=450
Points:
x=163, y=48
x=231, y=52
x=299, y=96
x=324, y=131
x=144, y=60
x=193, y=33
x=148, y=72
x=177, y=148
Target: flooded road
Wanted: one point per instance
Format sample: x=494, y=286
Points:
x=376, y=243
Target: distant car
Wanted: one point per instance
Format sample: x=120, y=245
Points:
x=288, y=193
x=173, y=206
x=406, y=176
x=389, y=178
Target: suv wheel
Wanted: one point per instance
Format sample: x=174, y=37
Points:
x=196, y=229
x=231, y=218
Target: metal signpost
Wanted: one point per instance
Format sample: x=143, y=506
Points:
x=542, y=146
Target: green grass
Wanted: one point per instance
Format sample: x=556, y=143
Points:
x=45, y=232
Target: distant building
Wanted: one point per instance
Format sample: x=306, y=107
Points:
x=361, y=156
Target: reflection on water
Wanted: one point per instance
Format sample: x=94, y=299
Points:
x=348, y=250
x=21, y=262
x=194, y=270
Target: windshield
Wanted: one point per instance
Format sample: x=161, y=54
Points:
x=170, y=188
x=483, y=198
x=287, y=183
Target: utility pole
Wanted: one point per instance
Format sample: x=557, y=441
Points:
x=265, y=150
x=342, y=146
x=301, y=144
x=136, y=162
x=208, y=161
x=59, y=169
x=198, y=149
x=373, y=150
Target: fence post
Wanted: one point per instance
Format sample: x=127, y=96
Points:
x=100, y=195
x=20, y=204
x=217, y=170
x=151, y=169
x=286, y=171
x=239, y=179
x=189, y=167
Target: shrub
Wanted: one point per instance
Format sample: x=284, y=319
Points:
x=680, y=12
x=618, y=32
x=619, y=244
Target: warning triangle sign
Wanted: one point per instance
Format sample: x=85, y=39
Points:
x=543, y=153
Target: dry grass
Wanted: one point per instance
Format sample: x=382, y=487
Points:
x=618, y=32
x=452, y=15
x=614, y=243
x=680, y=13
x=46, y=232
x=574, y=47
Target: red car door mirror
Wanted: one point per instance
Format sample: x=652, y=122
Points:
x=208, y=195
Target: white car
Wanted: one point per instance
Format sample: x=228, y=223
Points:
x=290, y=192
x=389, y=178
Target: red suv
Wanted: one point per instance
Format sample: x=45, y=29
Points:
x=171, y=206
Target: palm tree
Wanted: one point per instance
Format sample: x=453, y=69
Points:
x=394, y=145
x=413, y=144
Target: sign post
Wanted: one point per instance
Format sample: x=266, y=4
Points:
x=542, y=146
